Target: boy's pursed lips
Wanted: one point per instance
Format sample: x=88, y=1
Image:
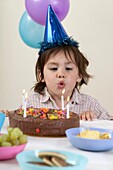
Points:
x=61, y=84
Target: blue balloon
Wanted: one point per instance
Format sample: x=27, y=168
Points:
x=31, y=32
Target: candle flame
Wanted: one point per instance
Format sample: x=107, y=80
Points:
x=26, y=95
x=63, y=91
x=68, y=98
x=23, y=91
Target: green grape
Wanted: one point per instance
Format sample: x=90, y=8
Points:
x=6, y=144
x=14, y=135
x=0, y=138
x=9, y=138
x=17, y=130
x=15, y=142
x=9, y=130
x=3, y=137
x=23, y=139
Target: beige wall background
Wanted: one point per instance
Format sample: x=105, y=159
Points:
x=90, y=22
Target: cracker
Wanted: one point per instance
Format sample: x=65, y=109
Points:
x=48, y=153
x=47, y=160
x=39, y=163
x=59, y=162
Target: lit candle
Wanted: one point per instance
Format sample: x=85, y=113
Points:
x=67, y=115
x=62, y=99
x=23, y=98
x=25, y=105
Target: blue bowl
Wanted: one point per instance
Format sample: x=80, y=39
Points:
x=2, y=118
x=79, y=162
x=90, y=144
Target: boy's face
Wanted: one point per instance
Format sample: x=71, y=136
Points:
x=60, y=73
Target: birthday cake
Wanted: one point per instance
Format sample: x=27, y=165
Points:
x=43, y=121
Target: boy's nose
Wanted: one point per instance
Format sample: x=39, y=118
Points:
x=60, y=75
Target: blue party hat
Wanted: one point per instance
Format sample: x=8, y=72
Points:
x=55, y=34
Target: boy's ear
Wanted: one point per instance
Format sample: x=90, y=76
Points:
x=42, y=80
x=79, y=79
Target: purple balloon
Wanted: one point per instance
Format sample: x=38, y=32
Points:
x=37, y=9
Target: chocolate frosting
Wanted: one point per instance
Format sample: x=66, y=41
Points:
x=43, y=127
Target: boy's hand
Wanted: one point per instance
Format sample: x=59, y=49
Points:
x=5, y=112
x=89, y=115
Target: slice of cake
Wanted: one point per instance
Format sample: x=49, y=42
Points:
x=43, y=121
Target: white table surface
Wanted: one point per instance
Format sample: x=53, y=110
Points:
x=96, y=160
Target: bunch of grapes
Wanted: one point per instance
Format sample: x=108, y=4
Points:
x=14, y=137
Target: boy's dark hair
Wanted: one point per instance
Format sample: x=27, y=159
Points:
x=79, y=59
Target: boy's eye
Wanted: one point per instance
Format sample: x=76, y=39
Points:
x=68, y=68
x=54, y=68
